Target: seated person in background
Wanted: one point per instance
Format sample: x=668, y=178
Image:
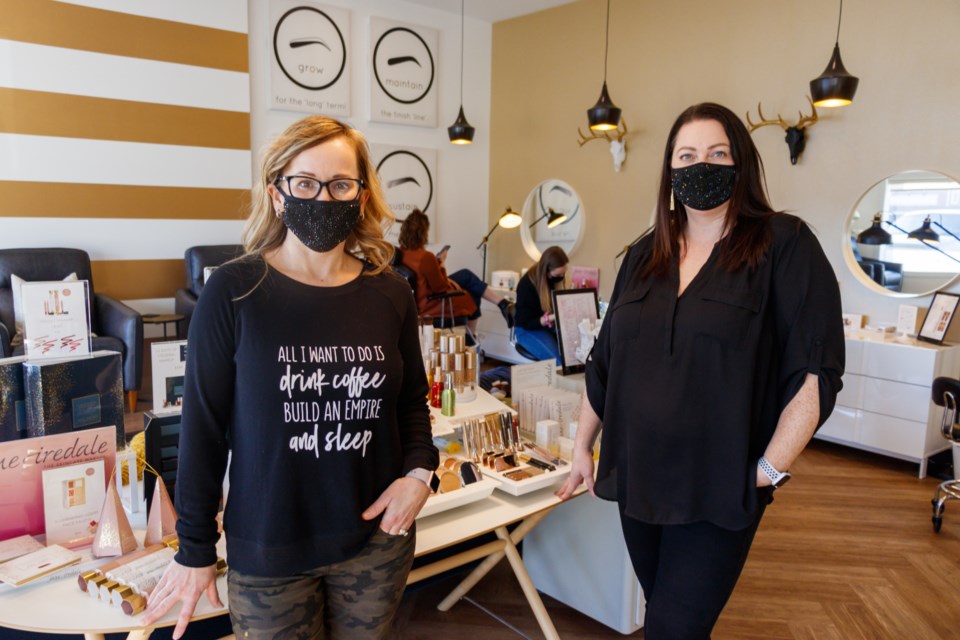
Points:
x=535, y=321
x=432, y=276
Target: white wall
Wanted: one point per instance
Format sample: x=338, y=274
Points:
x=463, y=171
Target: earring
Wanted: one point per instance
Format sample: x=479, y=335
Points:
x=672, y=207
x=276, y=212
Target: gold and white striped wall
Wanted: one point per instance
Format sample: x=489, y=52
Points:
x=124, y=131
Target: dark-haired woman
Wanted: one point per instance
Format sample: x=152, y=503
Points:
x=535, y=321
x=720, y=356
x=432, y=276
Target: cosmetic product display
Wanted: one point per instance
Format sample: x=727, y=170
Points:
x=127, y=582
x=448, y=397
x=13, y=409
x=494, y=444
x=459, y=482
x=452, y=356
x=67, y=394
x=548, y=432
x=538, y=403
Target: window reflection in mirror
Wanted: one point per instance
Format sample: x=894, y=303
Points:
x=546, y=200
x=911, y=205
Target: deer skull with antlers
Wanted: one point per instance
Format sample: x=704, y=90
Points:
x=796, y=137
x=618, y=146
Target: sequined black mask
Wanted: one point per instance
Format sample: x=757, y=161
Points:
x=320, y=224
x=703, y=186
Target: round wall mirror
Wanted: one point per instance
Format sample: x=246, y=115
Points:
x=903, y=235
x=552, y=215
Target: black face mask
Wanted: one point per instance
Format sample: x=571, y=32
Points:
x=703, y=186
x=320, y=224
x=554, y=280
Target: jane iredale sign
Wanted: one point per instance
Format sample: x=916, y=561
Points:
x=308, y=66
x=404, y=79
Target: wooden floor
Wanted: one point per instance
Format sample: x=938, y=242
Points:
x=845, y=552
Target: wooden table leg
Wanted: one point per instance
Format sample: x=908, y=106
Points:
x=530, y=591
x=93, y=636
x=491, y=561
x=139, y=634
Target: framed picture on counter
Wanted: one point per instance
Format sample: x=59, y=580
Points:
x=572, y=306
x=938, y=318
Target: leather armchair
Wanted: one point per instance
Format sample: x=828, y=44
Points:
x=196, y=259
x=117, y=326
x=887, y=274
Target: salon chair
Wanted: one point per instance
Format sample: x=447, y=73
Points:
x=446, y=319
x=946, y=393
x=116, y=327
x=196, y=260
x=513, y=336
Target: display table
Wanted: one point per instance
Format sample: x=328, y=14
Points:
x=57, y=605
x=491, y=515
x=28, y=607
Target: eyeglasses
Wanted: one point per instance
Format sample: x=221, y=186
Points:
x=343, y=189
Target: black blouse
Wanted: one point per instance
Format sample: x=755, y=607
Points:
x=690, y=388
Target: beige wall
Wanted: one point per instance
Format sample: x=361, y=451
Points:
x=668, y=54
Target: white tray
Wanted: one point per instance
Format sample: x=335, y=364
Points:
x=440, y=502
x=522, y=487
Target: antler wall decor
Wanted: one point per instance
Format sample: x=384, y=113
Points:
x=618, y=147
x=796, y=137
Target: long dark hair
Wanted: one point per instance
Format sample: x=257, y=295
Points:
x=746, y=229
x=551, y=258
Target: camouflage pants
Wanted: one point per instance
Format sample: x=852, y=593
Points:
x=354, y=599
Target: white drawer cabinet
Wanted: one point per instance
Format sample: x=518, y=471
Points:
x=885, y=405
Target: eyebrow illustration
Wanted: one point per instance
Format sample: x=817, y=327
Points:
x=303, y=42
x=401, y=59
x=557, y=187
x=399, y=181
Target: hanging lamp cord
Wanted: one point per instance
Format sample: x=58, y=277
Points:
x=606, y=45
x=837, y=41
x=461, y=51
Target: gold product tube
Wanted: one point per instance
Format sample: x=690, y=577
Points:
x=459, y=344
x=446, y=360
x=106, y=588
x=434, y=358
x=445, y=346
x=83, y=577
x=436, y=337
x=458, y=373
x=93, y=586
x=119, y=594
x=133, y=604
x=470, y=367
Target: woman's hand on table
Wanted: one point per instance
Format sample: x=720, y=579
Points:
x=581, y=470
x=399, y=503
x=181, y=584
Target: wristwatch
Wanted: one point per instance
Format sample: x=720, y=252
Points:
x=777, y=478
x=425, y=476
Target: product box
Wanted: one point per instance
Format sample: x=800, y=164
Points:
x=22, y=463
x=70, y=394
x=13, y=409
x=168, y=366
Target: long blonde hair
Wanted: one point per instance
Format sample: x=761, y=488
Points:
x=264, y=231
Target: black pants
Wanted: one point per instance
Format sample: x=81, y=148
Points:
x=687, y=572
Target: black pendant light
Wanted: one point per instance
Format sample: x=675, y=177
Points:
x=604, y=116
x=925, y=233
x=835, y=87
x=461, y=132
x=876, y=234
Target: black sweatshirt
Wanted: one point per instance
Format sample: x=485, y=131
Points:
x=319, y=393
x=529, y=310
x=690, y=388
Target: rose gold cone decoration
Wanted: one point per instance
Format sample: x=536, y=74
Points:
x=114, y=536
x=162, y=520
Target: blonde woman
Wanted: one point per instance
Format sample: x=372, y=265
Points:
x=304, y=363
x=535, y=323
